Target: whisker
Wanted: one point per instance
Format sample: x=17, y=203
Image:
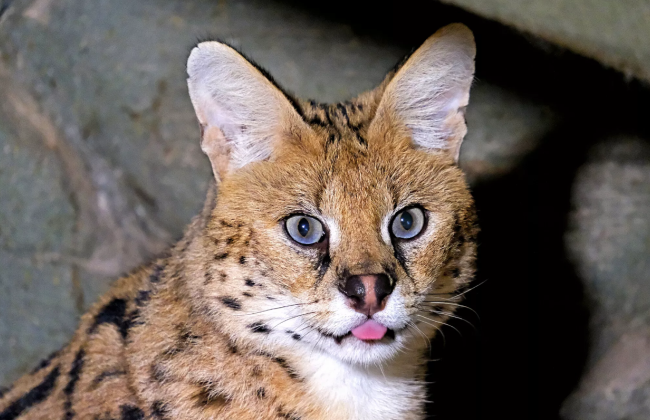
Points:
x=444, y=338
x=427, y=341
x=431, y=303
x=440, y=322
x=288, y=319
x=456, y=317
x=274, y=309
x=459, y=294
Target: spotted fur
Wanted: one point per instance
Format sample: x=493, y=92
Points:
x=237, y=321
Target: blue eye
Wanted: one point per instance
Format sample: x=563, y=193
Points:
x=304, y=229
x=408, y=223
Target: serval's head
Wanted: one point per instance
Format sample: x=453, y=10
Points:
x=345, y=228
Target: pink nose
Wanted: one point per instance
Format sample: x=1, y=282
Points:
x=367, y=293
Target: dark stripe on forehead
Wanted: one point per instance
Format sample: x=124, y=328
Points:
x=36, y=395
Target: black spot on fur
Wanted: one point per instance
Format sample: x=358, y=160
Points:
x=130, y=412
x=156, y=274
x=44, y=363
x=270, y=298
x=223, y=276
x=142, y=298
x=257, y=371
x=259, y=327
x=158, y=373
x=75, y=372
x=231, y=240
x=209, y=395
x=112, y=313
x=188, y=337
x=221, y=256
x=207, y=278
x=36, y=395
x=232, y=347
x=284, y=365
x=287, y=415
x=455, y=272
x=249, y=283
x=296, y=337
x=261, y=393
x=106, y=375
x=242, y=260
x=159, y=409
x=129, y=321
x=247, y=294
x=231, y=302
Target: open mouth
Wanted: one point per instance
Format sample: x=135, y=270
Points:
x=367, y=332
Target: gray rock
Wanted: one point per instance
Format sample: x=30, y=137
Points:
x=612, y=32
x=609, y=242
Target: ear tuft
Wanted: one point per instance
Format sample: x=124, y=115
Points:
x=241, y=112
x=430, y=91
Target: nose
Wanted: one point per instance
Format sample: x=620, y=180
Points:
x=367, y=293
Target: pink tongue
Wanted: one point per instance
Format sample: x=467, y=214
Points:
x=369, y=330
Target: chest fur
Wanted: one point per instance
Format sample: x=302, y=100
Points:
x=352, y=392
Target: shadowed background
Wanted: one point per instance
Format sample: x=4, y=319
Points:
x=100, y=169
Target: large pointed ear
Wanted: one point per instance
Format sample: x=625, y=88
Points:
x=430, y=91
x=241, y=112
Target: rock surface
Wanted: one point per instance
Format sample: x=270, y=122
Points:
x=613, y=32
x=609, y=240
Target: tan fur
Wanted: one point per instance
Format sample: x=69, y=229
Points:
x=191, y=335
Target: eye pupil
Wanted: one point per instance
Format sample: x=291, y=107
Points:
x=406, y=220
x=303, y=227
